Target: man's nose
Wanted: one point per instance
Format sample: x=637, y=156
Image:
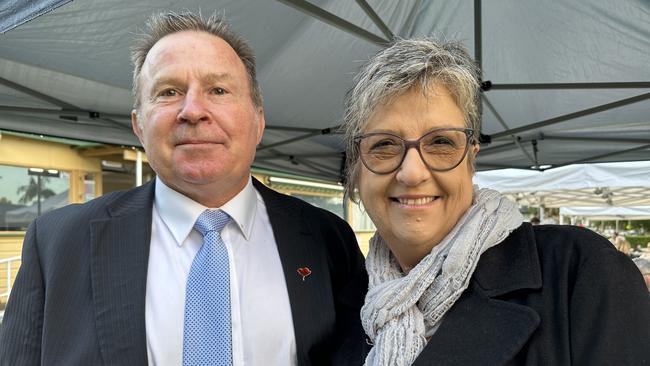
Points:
x=194, y=108
x=413, y=170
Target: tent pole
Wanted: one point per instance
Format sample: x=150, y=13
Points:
x=138, y=168
x=515, y=139
x=335, y=21
x=574, y=115
x=36, y=94
x=557, y=86
x=590, y=139
x=347, y=212
x=593, y=159
x=325, y=131
x=370, y=12
x=566, y=117
x=478, y=37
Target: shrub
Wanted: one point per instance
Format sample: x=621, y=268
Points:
x=638, y=241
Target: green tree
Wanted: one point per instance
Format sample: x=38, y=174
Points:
x=30, y=191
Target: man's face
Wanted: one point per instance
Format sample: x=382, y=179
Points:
x=197, y=121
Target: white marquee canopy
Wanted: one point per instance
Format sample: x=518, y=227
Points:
x=600, y=185
x=608, y=213
x=564, y=81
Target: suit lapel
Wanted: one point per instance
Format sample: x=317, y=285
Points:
x=119, y=259
x=297, y=249
x=481, y=329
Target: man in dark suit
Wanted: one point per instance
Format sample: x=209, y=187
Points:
x=104, y=283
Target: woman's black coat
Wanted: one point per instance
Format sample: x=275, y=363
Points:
x=547, y=295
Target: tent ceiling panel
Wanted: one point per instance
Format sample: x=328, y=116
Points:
x=78, y=91
x=84, y=129
x=323, y=79
x=17, y=12
x=560, y=41
x=447, y=20
x=13, y=97
x=79, y=54
x=522, y=108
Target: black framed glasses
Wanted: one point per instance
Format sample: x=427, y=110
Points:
x=440, y=149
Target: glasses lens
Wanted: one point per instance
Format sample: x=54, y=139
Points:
x=381, y=152
x=443, y=149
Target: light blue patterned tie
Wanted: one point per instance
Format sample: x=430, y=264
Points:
x=207, y=332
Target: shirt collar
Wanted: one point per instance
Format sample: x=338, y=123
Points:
x=179, y=212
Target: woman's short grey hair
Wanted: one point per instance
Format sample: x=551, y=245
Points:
x=406, y=64
x=163, y=24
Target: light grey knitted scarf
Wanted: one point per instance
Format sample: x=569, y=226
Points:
x=399, y=308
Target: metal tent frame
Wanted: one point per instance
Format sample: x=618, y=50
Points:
x=317, y=151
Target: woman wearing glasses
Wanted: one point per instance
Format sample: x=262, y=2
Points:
x=456, y=277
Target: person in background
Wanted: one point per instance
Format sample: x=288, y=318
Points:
x=456, y=276
x=534, y=220
x=203, y=265
x=621, y=243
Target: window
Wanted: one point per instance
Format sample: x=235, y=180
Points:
x=27, y=193
x=332, y=204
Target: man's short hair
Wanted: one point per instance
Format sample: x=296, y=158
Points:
x=162, y=24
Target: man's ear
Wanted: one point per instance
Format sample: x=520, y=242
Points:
x=261, y=123
x=135, y=126
x=475, y=148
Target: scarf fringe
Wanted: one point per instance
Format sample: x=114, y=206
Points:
x=399, y=308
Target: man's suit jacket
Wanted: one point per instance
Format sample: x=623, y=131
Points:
x=79, y=297
x=547, y=295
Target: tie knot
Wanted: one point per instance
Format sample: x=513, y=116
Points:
x=211, y=221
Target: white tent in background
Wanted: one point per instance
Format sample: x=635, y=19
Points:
x=24, y=215
x=591, y=185
x=608, y=213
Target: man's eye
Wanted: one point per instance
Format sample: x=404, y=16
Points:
x=219, y=91
x=168, y=93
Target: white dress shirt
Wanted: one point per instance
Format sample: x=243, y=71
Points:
x=262, y=327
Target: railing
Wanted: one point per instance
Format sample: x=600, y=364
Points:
x=8, y=262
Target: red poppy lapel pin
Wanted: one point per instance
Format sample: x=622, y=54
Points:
x=304, y=272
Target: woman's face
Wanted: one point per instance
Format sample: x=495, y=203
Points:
x=413, y=207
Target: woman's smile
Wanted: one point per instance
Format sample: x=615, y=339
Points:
x=414, y=202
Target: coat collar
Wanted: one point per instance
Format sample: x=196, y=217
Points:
x=481, y=328
x=118, y=270
x=510, y=266
x=299, y=248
